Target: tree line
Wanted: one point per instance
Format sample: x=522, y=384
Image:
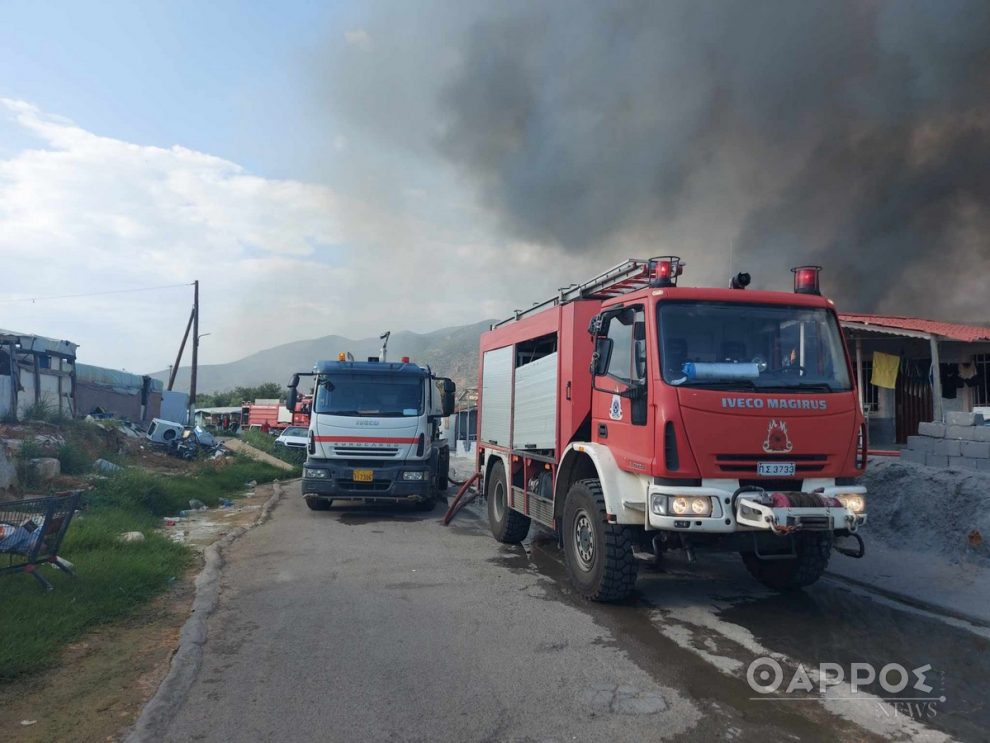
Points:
x=233, y=398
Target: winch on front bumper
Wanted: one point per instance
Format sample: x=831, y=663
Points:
x=714, y=510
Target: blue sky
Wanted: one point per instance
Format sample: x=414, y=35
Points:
x=144, y=144
x=228, y=78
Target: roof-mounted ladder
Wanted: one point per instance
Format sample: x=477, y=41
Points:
x=628, y=276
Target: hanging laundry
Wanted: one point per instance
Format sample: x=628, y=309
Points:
x=951, y=382
x=885, y=368
x=967, y=371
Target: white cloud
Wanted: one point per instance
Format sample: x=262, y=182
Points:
x=360, y=38
x=278, y=260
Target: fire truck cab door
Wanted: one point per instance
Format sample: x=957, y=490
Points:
x=620, y=411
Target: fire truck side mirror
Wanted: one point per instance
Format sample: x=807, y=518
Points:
x=601, y=356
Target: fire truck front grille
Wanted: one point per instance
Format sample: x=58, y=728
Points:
x=365, y=451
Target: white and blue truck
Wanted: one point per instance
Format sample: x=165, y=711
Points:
x=375, y=434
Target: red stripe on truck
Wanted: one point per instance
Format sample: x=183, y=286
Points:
x=365, y=439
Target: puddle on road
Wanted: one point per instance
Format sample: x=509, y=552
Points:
x=630, y=624
x=829, y=623
x=698, y=618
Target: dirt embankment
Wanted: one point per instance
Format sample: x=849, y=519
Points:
x=927, y=509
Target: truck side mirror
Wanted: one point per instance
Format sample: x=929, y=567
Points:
x=293, y=396
x=601, y=356
x=447, y=391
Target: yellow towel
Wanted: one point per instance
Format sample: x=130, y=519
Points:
x=885, y=369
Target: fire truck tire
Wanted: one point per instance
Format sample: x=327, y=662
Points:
x=508, y=526
x=318, y=504
x=599, y=555
x=813, y=550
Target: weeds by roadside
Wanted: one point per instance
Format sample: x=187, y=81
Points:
x=113, y=577
x=43, y=410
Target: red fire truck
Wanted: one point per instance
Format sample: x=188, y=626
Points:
x=630, y=414
x=256, y=414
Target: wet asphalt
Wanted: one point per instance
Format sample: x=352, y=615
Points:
x=382, y=624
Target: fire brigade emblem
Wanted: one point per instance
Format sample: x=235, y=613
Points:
x=777, y=441
x=615, y=409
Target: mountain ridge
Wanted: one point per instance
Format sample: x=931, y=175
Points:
x=451, y=352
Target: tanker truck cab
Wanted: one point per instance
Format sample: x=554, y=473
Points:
x=374, y=434
x=702, y=419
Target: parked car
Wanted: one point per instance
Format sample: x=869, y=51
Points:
x=293, y=437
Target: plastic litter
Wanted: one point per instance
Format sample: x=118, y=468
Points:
x=131, y=536
x=251, y=484
x=102, y=465
x=226, y=503
x=197, y=505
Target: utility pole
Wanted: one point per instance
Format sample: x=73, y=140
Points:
x=195, y=348
x=182, y=347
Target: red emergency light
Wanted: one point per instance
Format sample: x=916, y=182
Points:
x=405, y=359
x=664, y=271
x=806, y=279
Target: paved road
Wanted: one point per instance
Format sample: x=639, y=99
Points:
x=381, y=624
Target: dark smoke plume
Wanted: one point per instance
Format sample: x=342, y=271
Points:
x=866, y=125
x=851, y=134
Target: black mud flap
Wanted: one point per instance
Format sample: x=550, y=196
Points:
x=857, y=552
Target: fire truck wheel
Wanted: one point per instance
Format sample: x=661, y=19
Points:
x=508, y=526
x=599, y=555
x=813, y=550
x=318, y=504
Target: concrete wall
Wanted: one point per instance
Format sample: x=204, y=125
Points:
x=963, y=442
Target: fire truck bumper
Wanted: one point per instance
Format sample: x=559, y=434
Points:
x=399, y=482
x=718, y=511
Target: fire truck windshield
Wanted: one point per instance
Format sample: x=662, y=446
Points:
x=372, y=395
x=751, y=346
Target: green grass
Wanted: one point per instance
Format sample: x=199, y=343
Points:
x=112, y=578
x=266, y=443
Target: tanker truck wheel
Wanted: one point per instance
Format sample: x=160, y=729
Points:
x=813, y=550
x=318, y=504
x=599, y=555
x=508, y=526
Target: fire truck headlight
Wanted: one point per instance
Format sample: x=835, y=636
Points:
x=853, y=502
x=414, y=475
x=701, y=506
x=658, y=504
x=695, y=505
x=315, y=473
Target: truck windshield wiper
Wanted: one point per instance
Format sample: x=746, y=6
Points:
x=811, y=386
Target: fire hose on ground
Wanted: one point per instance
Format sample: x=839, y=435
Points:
x=459, y=499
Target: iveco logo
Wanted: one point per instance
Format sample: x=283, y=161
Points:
x=367, y=423
x=774, y=403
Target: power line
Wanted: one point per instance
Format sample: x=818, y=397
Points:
x=92, y=294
